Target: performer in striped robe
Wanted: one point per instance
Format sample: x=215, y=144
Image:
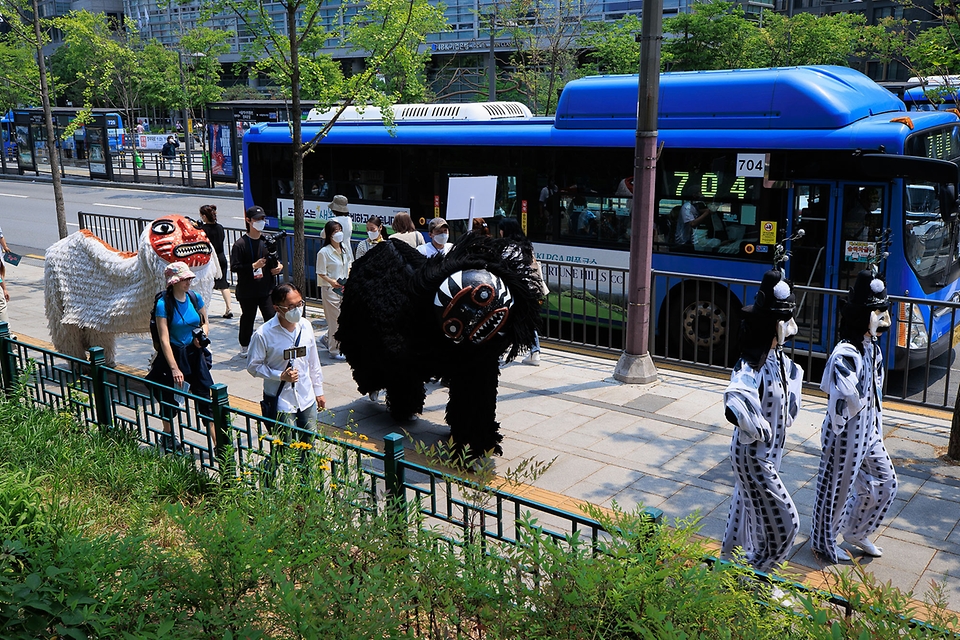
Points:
x=762, y=401
x=857, y=483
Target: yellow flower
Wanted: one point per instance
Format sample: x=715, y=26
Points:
x=363, y=437
x=349, y=433
x=325, y=467
x=277, y=442
x=269, y=550
x=333, y=485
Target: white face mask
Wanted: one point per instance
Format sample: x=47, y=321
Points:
x=259, y=225
x=373, y=235
x=441, y=238
x=293, y=315
x=338, y=236
x=879, y=322
x=785, y=330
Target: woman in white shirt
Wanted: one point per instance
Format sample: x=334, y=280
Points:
x=333, y=266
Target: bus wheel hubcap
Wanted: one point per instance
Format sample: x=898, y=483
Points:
x=704, y=324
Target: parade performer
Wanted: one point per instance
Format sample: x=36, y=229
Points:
x=762, y=401
x=857, y=483
x=94, y=292
x=407, y=319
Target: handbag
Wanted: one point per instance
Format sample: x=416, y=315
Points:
x=269, y=404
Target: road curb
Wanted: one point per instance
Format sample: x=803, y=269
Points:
x=135, y=186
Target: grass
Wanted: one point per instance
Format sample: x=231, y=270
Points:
x=104, y=539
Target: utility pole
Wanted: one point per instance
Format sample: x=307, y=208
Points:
x=635, y=365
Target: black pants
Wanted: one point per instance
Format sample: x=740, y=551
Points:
x=248, y=315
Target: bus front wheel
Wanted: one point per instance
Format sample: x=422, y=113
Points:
x=704, y=320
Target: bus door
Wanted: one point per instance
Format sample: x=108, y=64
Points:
x=810, y=259
x=863, y=214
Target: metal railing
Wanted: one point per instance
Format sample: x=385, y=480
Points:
x=105, y=398
x=696, y=318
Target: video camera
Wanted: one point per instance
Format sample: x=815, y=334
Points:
x=271, y=243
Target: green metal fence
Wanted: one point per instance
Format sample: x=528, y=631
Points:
x=106, y=398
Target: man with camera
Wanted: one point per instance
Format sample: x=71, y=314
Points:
x=254, y=258
x=284, y=353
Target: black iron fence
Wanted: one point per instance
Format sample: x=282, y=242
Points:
x=695, y=319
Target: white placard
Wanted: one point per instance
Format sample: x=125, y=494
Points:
x=481, y=189
x=751, y=165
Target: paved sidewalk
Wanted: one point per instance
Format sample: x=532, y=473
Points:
x=664, y=444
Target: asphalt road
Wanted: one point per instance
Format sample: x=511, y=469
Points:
x=28, y=215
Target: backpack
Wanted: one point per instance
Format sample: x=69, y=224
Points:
x=154, y=331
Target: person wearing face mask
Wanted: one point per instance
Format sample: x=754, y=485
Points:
x=761, y=402
x=376, y=233
x=439, y=234
x=248, y=259
x=333, y=266
x=284, y=353
x=857, y=482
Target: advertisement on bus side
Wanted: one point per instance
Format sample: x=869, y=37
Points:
x=316, y=214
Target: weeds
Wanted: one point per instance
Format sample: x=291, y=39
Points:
x=102, y=538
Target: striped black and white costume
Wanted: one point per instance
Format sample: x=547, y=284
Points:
x=763, y=519
x=857, y=483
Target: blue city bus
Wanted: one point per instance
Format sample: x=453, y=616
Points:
x=762, y=152
x=6, y=133
x=931, y=98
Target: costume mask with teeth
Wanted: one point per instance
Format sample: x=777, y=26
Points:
x=176, y=238
x=473, y=306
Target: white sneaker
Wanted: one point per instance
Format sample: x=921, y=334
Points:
x=868, y=547
x=533, y=359
x=337, y=356
x=374, y=396
x=244, y=351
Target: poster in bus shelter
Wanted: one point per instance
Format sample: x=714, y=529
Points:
x=221, y=152
x=24, y=148
x=316, y=214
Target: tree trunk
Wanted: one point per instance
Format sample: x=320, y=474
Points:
x=953, y=448
x=299, y=250
x=48, y=124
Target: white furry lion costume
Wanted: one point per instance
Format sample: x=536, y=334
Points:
x=94, y=292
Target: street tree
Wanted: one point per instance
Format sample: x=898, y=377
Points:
x=389, y=32
x=29, y=30
x=544, y=38
x=808, y=39
x=20, y=73
x=612, y=47
x=713, y=35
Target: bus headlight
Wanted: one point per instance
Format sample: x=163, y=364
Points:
x=909, y=321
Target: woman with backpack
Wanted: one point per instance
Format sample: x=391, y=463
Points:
x=183, y=360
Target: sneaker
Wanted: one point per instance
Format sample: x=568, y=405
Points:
x=228, y=315
x=533, y=359
x=338, y=356
x=244, y=351
x=868, y=547
x=374, y=396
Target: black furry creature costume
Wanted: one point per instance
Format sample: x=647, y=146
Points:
x=406, y=319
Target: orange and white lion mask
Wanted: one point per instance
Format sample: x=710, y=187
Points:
x=94, y=292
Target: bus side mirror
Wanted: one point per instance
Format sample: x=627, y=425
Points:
x=948, y=202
